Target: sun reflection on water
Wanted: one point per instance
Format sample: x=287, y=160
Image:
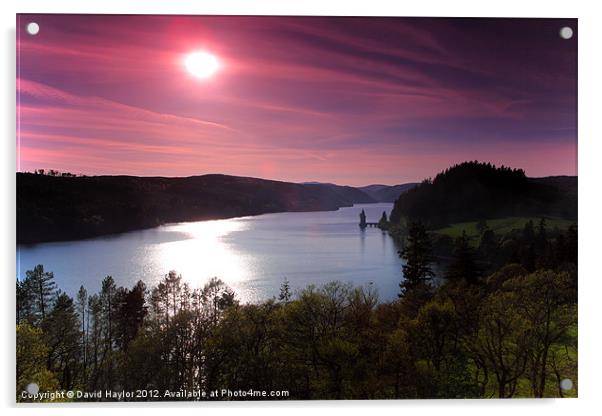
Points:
x=203, y=253
x=253, y=255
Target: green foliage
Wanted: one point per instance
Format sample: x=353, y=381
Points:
x=32, y=352
x=540, y=246
x=512, y=335
x=62, y=336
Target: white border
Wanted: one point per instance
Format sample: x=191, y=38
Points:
x=590, y=137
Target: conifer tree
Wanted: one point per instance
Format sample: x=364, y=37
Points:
x=463, y=266
x=82, y=304
x=418, y=257
x=285, y=291
x=42, y=288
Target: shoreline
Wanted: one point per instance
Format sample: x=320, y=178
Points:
x=117, y=234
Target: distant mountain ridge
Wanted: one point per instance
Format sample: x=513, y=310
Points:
x=387, y=193
x=345, y=192
x=372, y=193
x=54, y=208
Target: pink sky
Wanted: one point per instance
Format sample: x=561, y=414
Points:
x=348, y=101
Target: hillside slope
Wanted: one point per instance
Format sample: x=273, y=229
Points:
x=64, y=208
x=472, y=191
x=386, y=193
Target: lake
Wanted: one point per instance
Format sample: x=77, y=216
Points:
x=253, y=255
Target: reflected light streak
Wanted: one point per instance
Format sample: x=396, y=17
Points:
x=205, y=254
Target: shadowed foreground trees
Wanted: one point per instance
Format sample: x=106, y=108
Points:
x=418, y=258
x=463, y=265
x=511, y=335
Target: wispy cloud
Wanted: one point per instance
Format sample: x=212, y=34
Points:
x=340, y=100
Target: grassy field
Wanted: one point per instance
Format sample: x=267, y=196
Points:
x=500, y=226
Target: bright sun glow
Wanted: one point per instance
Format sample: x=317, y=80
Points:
x=201, y=64
x=204, y=252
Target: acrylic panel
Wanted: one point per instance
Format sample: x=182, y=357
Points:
x=295, y=208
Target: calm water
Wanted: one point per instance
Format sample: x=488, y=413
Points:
x=251, y=254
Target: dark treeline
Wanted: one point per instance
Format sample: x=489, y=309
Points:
x=54, y=172
x=472, y=191
x=52, y=207
x=535, y=246
x=481, y=334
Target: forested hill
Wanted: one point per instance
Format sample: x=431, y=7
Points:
x=386, y=193
x=472, y=191
x=371, y=193
x=52, y=208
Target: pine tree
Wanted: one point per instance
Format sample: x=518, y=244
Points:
x=463, y=266
x=25, y=302
x=61, y=332
x=82, y=304
x=285, y=291
x=541, y=230
x=107, y=300
x=571, y=243
x=482, y=226
x=541, y=239
x=43, y=289
x=108, y=308
x=94, y=339
x=529, y=232
x=132, y=311
x=418, y=256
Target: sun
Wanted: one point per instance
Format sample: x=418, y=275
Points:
x=201, y=64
